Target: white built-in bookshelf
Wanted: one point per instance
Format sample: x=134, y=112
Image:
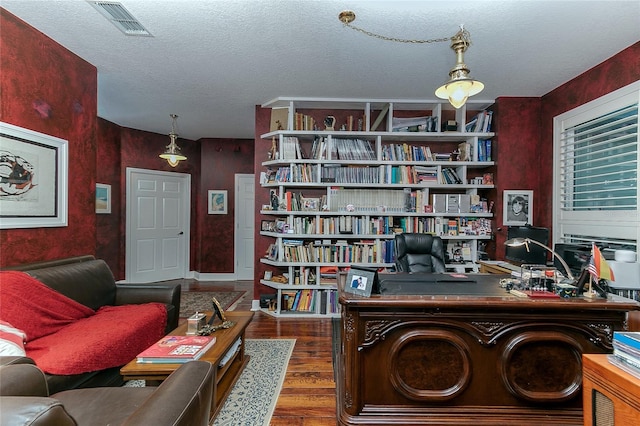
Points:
x=340, y=195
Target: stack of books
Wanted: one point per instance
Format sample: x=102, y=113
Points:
x=626, y=351
x=176, y=349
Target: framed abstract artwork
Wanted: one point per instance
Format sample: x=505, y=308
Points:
x=217, y=201
x=33, y=179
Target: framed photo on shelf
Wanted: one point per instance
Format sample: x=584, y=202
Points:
x=267, y=225
x=34, y=182
x=517, y=209
x=360, y=281
x=310, y=204
x=217, y=201
x=103, y=198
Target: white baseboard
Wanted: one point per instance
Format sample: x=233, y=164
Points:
x=214, y=277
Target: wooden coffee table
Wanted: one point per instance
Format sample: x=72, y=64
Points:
x=225, y=376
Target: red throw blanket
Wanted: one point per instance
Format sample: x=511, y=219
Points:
x=34, y=308
x=71, y=338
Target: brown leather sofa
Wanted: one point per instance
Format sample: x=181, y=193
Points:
x=90, y=281
x=184, y=398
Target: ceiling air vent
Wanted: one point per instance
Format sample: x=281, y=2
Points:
x=121, y=18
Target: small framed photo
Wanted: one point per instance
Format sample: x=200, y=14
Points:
x=103, y=198
x=517, y=208
x=217, y=201
x=310, y=204
x=360, y=281
x=267, y=225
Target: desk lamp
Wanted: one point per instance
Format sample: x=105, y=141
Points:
x=517, y=242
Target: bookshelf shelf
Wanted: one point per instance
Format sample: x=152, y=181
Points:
x=370, y=168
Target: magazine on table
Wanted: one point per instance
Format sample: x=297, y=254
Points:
x=176, y=349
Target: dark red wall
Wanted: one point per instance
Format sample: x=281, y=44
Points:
x=48, y=89
x=516, y=148
x=221, y=160
x=263, y=122
x=108, y=172
x=140, y=149
x=616, y=72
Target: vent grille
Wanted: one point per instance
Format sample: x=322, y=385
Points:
x=120, y=17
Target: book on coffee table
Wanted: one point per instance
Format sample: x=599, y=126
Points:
x=176, y=349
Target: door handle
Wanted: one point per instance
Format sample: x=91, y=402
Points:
x=181, y=233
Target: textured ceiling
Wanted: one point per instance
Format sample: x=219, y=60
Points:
x=211, y=62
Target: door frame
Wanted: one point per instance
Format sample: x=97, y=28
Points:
x=236, y=225
x=187, y=217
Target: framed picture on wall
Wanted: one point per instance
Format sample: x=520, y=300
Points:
x=33, y=179
x=103, y=198
x=517, y=209
x=217, y=201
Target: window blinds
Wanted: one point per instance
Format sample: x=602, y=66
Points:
x=599, y=163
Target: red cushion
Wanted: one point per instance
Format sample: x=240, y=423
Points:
x=34, y=308
x=110, y=338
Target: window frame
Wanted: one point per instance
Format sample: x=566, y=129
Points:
x=604, y=227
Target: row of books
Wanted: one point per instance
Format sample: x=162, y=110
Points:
x=414, y=124
x=309, y=300
x=350, y=174
x=293, y=173
x=406, y=152
x=339, y=252
x=480, y=123
x=353, y=149
x=389, y=225
x=176, y=349
x=361, y=149
x=484, y=150
x=385, y=174
x=626, y=351
x=303, y=122
x=375, y=200
x=443, y=226
x=450, y=176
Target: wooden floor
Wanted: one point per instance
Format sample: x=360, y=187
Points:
x=308, y=393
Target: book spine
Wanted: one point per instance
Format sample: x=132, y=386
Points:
x=628, y=339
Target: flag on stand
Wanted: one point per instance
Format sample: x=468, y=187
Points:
x=598, y=266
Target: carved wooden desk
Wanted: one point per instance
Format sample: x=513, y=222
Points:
x=469, y=359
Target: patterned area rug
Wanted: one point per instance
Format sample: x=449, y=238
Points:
x=254, y=396
x=192, y=301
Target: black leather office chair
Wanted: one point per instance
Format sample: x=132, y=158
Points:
x=419, y=253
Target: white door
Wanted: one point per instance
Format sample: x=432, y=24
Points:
x=158, y=222
x=244, y=217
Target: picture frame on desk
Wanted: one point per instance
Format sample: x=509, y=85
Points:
x=360, y=281
x=517, y=207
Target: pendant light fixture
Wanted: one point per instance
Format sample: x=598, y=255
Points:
x=172, y=152
x=460, y=86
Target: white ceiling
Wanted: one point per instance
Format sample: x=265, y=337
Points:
x=211, y=62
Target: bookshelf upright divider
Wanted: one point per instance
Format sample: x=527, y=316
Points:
x=349, y=174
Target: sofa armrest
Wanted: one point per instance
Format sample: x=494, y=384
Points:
x=184, y=399
x=34, y=411
x=15, y=359
x=169, y=294
x=22, y=380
